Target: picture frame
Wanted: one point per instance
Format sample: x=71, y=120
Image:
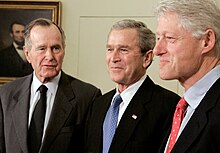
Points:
x=24, y=12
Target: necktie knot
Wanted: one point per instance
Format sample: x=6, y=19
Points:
x=42, y=89
x=117, y=101
x=20, y=47
x=182, y=104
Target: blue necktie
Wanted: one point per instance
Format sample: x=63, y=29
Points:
x=110, y=123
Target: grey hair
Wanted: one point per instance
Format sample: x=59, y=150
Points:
x=196, y=16
x=41, y=22
x=147, y=38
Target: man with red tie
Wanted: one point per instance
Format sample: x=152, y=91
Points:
x=188, y=46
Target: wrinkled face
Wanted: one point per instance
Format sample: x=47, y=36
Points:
x=18, y=34
x=125, y=63
x=179, y=52
x=47, y=53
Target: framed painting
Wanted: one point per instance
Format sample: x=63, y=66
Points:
x=21, y=12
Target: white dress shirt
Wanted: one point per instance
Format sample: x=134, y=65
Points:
x=127, y=95
x=35, y=96
x=20, y=52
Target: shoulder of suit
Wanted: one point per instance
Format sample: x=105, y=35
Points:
x=16, y=83
x=77, y=83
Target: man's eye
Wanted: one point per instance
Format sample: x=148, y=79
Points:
x=56, y=49
x=123, y=50
x=110, y=49
x=158, y=38
x=41, y=49
x=170, y=39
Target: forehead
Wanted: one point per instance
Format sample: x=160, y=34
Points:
x=169, y=22
x=127, y=35
x=18, y=27
x=45, y=31
x=45, y=35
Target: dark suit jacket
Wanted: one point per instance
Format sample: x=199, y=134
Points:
x=65, y=129
x=202, y=133
x=12, y=65
x=153, y=106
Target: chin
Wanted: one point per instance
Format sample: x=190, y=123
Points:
x=50, y=75
x=117, y=80
x=164, y=76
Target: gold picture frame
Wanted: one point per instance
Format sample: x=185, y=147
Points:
x=24, y=11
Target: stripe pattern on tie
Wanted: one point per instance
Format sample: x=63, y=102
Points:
x=110, y=123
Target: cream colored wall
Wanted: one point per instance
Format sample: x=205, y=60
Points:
x=87, y=24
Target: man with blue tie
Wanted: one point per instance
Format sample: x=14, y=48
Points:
x=133, y=117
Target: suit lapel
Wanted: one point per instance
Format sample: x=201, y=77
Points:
x=20, y=112
x=60, y=112
x=132, y=115
x=198, y=120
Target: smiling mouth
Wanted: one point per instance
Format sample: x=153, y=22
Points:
x=116, y=68
x=163, y=63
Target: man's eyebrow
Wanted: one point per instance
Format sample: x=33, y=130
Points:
x=118, y=46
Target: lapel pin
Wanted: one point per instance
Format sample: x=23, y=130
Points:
x=134, y=116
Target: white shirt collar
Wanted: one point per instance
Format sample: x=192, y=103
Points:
x=195, y=94
x=51, y=85
x=128, y=93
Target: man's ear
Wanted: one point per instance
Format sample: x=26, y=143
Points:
x=11, y=35
x=26, y=52
x=208, y=41
x=148, y=58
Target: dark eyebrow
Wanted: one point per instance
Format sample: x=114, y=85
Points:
x=56, y=45
x=123, y=46
x=118, y=46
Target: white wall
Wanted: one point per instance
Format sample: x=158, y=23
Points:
x=87, y=24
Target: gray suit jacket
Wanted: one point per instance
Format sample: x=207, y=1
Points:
x=153, y=106
x=64, y=132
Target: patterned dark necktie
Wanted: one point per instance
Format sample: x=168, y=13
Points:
x=37, y=122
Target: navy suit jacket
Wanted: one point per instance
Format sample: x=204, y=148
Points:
x=12, y=65
x=65, y=130
x=202, y=132
x=153, y=106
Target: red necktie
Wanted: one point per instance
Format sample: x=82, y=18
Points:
x=177, y=120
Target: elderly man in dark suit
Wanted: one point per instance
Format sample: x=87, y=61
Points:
x=13, y=62
x=145, y=109
x=188, y=45
x=45, y=111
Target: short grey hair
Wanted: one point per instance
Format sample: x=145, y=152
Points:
x=196, y=16
x=41, y=22
x=147, y=38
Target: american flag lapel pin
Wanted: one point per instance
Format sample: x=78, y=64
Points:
x=134, y=116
